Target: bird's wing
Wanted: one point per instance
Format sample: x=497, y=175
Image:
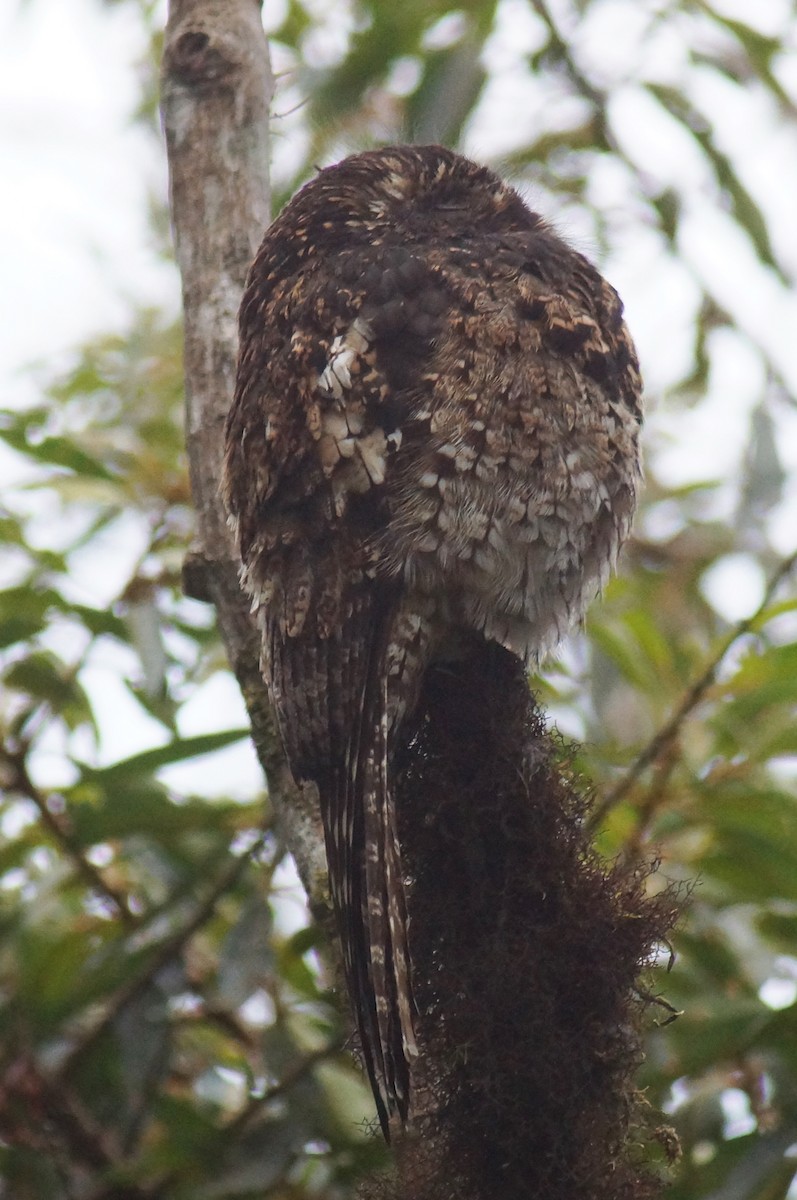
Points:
x=331, y=367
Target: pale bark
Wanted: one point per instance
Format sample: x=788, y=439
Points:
x=216, y=91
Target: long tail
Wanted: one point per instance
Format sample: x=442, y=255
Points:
x=341, y=700
x=382, y=918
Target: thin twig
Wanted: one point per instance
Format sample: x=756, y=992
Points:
x=165, y=953
x=291, y=1077
x=692, y=697
x=563, y=52
x=655, y=797
x=22, y=783
x=44, y=1114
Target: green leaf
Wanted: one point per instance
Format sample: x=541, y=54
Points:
x=744, y=208
x=43, y=676
x=49, y=451
x=149, y=761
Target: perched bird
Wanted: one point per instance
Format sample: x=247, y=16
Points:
x=434, y=432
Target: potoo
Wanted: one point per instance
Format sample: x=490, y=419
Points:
x=434, y=436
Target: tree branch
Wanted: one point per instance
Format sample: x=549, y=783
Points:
x=290, y=1078
x=216, y=89
x=58, y=828
x=165, y=953
x=664, y=737
x=493, y=832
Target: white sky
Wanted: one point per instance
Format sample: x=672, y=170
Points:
x=74, y=242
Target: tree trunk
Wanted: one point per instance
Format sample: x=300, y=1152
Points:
x=216, y=91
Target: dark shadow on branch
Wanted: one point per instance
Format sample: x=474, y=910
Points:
x=527, y=948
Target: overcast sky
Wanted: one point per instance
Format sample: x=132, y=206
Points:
x=74, y=243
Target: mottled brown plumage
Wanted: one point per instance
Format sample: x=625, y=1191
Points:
x=434, y=432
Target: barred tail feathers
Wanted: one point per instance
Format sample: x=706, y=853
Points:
x=340, y=701
x=380, y=926
x=383, y=909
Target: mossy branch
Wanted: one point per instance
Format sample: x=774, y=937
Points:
x=526, y=947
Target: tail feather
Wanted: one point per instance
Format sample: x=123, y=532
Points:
x=386, y=932
x=340, y=700
x=386, y=832
x=380, y=919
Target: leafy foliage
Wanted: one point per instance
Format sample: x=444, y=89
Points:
x=166, y=1032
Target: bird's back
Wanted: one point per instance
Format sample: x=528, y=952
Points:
x=435, y=431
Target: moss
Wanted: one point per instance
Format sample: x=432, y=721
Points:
x=527, y=949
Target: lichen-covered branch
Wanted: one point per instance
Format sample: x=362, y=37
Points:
x=216, y=90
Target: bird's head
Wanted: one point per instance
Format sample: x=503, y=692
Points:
x=398, y=193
